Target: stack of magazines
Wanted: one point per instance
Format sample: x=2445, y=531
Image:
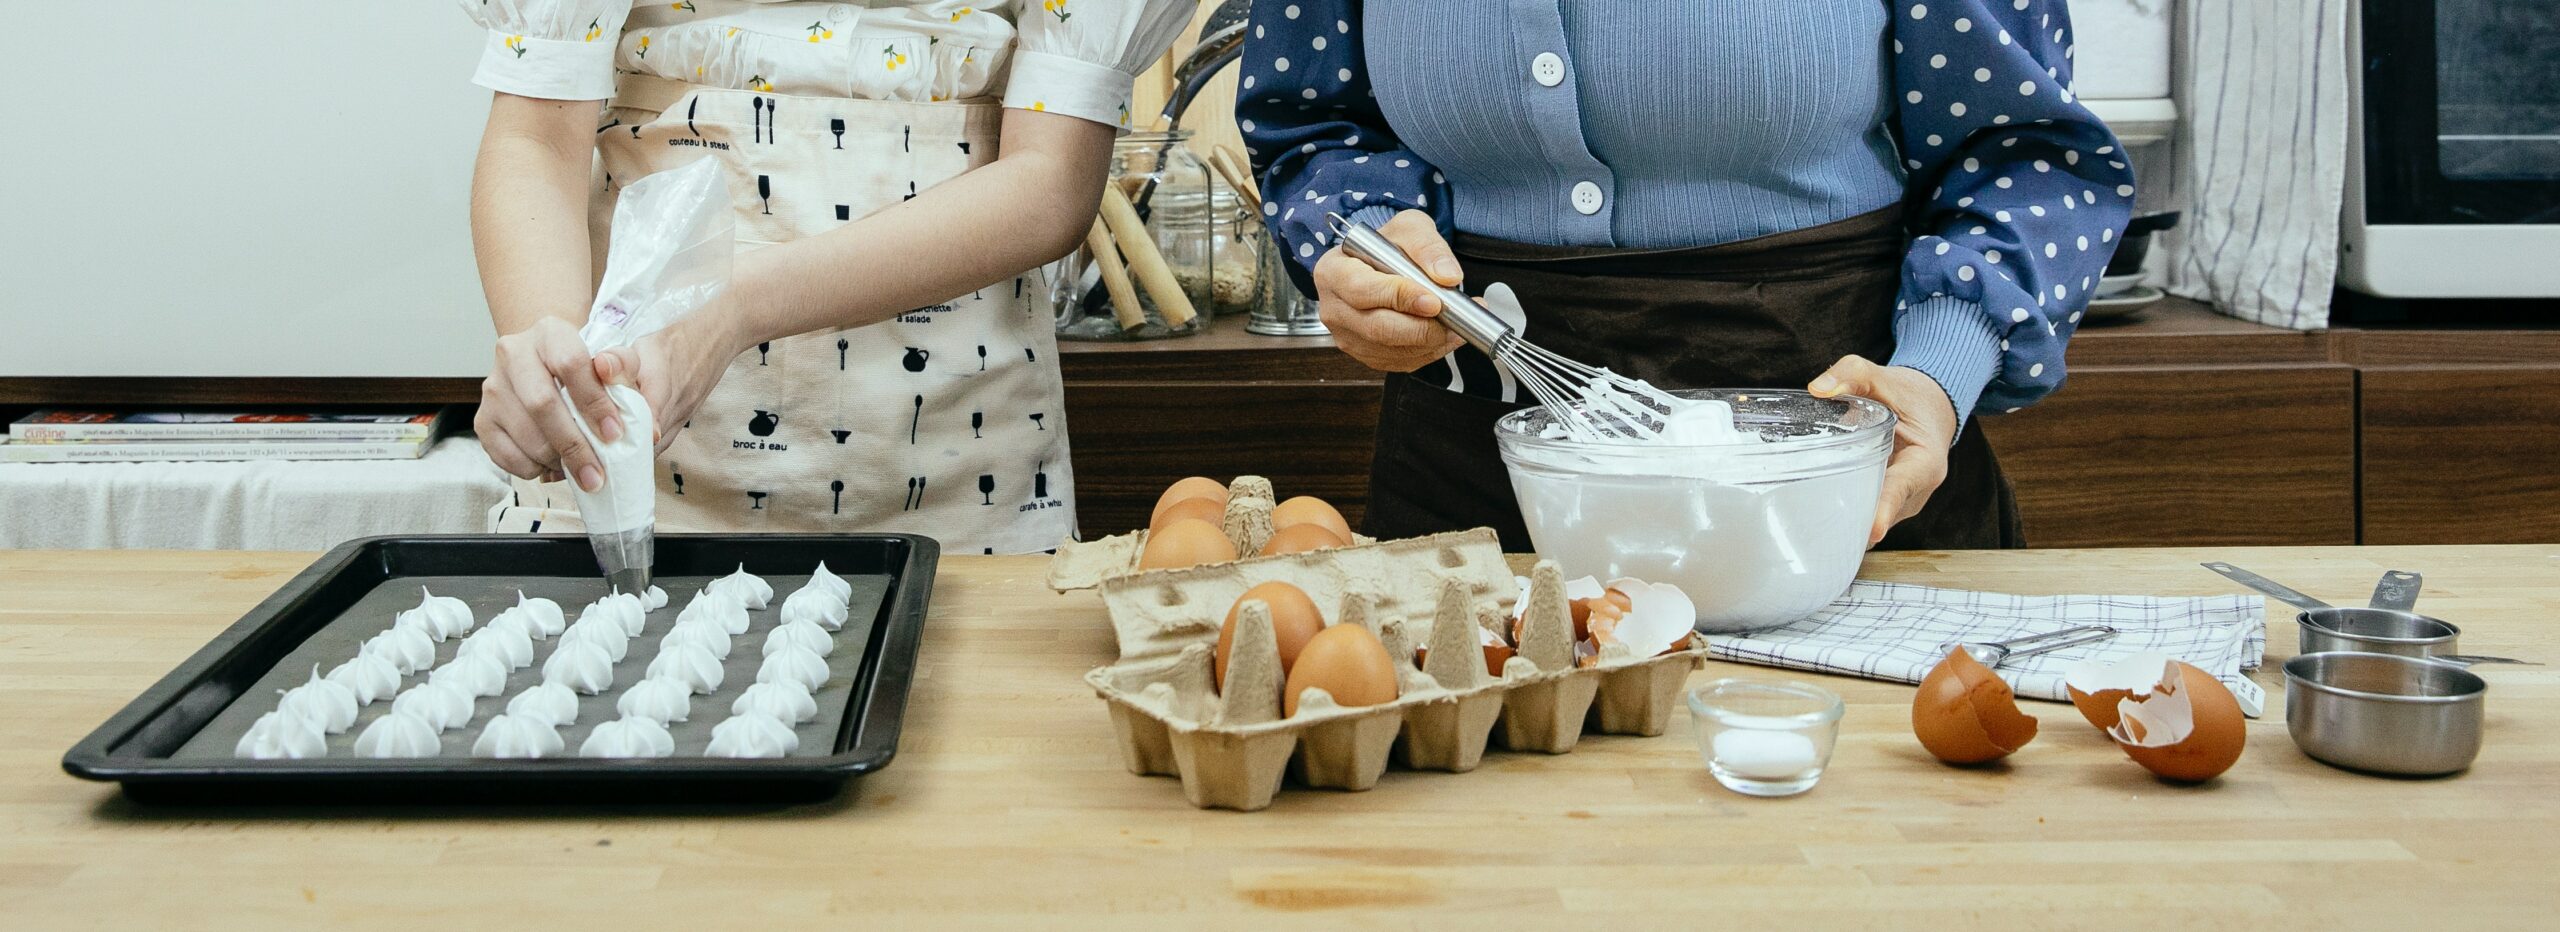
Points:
x=59, y=435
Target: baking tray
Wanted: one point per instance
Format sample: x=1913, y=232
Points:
x=145, y=746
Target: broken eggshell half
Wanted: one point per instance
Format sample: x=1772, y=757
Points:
x=2096, y=686
x=1656, y=618
x=1965, y=714
x=2186, y=726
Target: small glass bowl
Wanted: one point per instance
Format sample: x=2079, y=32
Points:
x=1765, y=738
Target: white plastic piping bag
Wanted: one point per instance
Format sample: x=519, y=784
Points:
x=673, y=236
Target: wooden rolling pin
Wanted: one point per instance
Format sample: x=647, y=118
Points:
x=1115, y=277
x=1146, y=264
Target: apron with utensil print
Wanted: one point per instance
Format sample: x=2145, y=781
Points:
x=945, y=421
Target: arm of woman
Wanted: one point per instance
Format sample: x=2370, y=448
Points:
x=2025, y=191
x=548, y=63
x=1321, y=146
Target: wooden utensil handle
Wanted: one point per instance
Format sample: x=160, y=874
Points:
x=1146, y=263
x=1115, y=277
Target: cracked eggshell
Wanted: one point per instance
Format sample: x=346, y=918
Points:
x=2189, y=728
x=1965, y=714
x=2096, y=685
x=1652, y=618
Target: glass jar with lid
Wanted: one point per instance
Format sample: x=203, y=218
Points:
x=1170, y=188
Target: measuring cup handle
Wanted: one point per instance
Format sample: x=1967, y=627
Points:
x=2267, y=586
x=2397, y=590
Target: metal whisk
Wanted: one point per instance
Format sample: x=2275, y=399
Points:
x=1591, y=403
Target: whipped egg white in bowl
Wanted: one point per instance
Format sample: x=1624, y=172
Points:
x=1755, y=503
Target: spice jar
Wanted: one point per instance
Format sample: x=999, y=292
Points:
x=1170, y=188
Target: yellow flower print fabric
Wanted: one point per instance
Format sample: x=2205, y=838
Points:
x=1072, y=57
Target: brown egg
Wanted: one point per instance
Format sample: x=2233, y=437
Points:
x=1188, y=542
x=2210, y=747
x=1294, y=620
x=1307, y=509
x=1495, y=655
x=1346, y=661
x=1964, y=714
x=1197, y=509
x=1300, y=538
x=1194, y=487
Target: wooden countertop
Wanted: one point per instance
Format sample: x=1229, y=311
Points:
x=1007, y=806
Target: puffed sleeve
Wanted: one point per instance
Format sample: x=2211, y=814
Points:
x=1080, y=57
x=551, y=49
x=2026, y=194
x=1318, y=141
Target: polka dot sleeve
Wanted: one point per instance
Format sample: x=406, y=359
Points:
x=1317, y=139
x=2026, y=193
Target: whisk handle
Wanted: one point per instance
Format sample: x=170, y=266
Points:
x=1458, y=312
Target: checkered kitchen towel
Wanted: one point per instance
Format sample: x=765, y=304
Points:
x=1892, y=631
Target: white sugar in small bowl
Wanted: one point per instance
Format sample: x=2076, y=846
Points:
x=1759, y=532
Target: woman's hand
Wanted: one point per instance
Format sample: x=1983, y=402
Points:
x=526, y=427
x=1925, y=426
x=1382, y=320
x=675, y=368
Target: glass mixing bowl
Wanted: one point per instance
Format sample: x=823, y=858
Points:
x=1759, y=533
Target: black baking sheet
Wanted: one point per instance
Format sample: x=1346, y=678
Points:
x=487, y=596
x=173, y=742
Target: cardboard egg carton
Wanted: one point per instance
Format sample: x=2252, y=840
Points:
x=1232, y=749
x=1086, y=564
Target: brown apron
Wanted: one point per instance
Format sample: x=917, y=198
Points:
x=1768, y=312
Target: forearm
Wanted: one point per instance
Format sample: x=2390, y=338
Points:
x=529, y=211
x=1032, y=205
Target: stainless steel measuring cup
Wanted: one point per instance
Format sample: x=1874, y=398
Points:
x=2326, y=628
x=2384, y=713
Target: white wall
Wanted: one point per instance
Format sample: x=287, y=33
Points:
x=240, y=189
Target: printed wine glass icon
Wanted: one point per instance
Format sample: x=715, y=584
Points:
x=977, y=420
x=841, y=345
x=982, y=357
x=763, y=350
x=987, y=489
x=836, y=487
x=917, y=421
x=764, y=192
x=964, y=148
x=911, y=192
x=763, y=423
x=758, y=497
x=1035, y=420
x=841, y=434
x=915, y=359
x=844, y=212
x=837, y=127
x=672, y=473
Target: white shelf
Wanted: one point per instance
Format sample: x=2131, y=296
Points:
x=2136, y=122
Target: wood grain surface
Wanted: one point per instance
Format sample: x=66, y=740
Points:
x=1007, y=806
x=2461, y=453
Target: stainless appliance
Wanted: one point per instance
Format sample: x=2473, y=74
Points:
x=2453, y=158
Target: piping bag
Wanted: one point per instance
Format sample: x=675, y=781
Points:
x=673, y=237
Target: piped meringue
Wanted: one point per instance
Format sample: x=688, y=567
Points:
x=654, y=599
x=628, y=737
x=830, y=584
x=690, y=664
x=442, y=705
x=407, y=649
x=282, y=736
x=367, y=676
x=815, y=606
x=623, y=609
x=451, y=617
x=508, y=643
x=602, y=631
x=804, y=635
x=580, y=666
x=327, y=703
x=399, y=734
x=545, y=615
x=698, y=631
x=549, y=703
x=513, y=736
x=658, y=699
x=786, y=700
x=749, y=589
x=795, y=663
x=478, y=674
x=752, y=735
x=718, y=607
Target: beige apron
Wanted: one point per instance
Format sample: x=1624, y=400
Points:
x=946, y=421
